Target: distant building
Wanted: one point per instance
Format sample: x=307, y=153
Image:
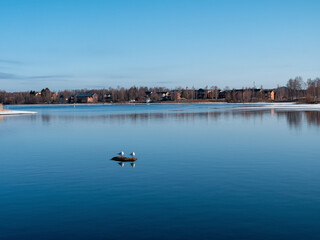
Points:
x=253, y=94
x=222, y=94
x=281, y=94
x=1, y=107
x=268, y=94
x=202, y=93
x=164, y=95
x=175, y=95
x=64, y=99
x=148, y=94
x=87, y=98
x=61, y=99
x=71, y=99
x=107, y=97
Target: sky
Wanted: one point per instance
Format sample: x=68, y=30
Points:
x=74, y=44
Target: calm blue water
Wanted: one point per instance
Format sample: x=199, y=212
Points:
x=203, y=172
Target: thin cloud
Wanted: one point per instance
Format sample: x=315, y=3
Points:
x=7, y=76
x=163, y=82
x=95, y=87
x=115, y=76
x=6, y=61
x=48, y=76
x=10, y=76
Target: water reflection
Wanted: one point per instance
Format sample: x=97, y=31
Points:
x=237, y=170
x=123, y=163
x=313, y=118
x=132, y=164
x=295, y=119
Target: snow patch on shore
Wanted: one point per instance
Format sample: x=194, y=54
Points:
x=11, y=112
x=284, y=106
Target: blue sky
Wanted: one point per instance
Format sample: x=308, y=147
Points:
x=96, y=44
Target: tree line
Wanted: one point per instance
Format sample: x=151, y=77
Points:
x=295, y=90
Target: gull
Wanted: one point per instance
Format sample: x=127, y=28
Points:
x=121, y=153
x=133, y=154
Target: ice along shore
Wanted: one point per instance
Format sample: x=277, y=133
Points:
x=12, y=112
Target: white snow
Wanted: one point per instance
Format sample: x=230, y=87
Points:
x=11, y=112
x=284, y=106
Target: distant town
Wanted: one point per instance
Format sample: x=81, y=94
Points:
x=296, y=90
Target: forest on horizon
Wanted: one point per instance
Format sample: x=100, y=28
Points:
x=295, y=90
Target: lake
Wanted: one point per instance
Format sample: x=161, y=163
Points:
x=204, y=171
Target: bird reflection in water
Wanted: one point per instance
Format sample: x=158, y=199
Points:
x=122, y=164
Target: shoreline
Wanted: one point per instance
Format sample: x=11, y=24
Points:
x=8, y=111
x=207, y=101
x=152, y=103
